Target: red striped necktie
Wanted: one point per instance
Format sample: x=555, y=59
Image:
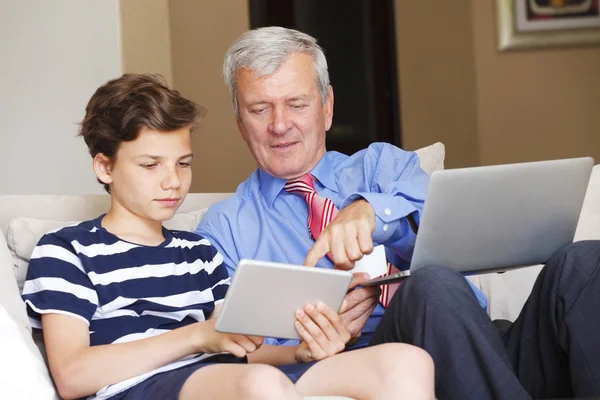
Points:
x=321, y=212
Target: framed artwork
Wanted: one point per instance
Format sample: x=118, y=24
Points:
x=527, y=24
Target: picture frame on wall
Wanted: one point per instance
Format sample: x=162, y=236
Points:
x=530, y=24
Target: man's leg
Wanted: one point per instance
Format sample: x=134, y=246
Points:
x=437, y=310
x=554, y=345
x=393, y=371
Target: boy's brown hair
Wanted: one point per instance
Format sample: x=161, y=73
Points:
x=122, y=107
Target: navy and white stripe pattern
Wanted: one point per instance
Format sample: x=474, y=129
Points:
x=124, y=291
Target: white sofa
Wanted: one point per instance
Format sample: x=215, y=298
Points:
x=24, y=218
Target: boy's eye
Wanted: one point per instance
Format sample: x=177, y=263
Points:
x=185, y=164
x=148, y=166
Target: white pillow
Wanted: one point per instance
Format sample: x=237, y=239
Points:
x=432, y=157
x=185, y=221
x=10, y=296
x=23, y=374
x=588, y=227
x=23, y=234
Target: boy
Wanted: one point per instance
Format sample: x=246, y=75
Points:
x=128, y=307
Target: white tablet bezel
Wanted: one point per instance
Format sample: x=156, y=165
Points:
x=264, y=296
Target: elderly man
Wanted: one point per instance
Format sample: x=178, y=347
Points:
x=306, y=205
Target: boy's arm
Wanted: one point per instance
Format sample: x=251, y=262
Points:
x=79, y=369
x=274, y=355
x=323, y=335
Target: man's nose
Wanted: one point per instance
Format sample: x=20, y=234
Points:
x=281, y=122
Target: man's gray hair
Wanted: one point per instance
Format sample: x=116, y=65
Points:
x=263, y=50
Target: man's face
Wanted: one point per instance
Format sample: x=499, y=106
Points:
x=151, y=175
x=282, y=118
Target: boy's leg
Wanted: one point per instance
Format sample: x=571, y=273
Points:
x=388, y=371
x=238, y=382
x=553, y=345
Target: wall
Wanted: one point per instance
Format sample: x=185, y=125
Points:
x=490, y=107
x=146, y=37
x=436, y=74
x=534, y=105
x=54, y=55
x=436, y=79
x=201, y=33
x=487, y=107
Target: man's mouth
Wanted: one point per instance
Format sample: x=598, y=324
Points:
x=283, y=146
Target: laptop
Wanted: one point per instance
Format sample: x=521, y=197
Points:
x=496, y=218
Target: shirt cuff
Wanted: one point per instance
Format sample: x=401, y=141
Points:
x=389, y=210
x=280, y=342
x=481, y=298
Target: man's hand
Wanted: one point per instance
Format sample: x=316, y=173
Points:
x=358, y=305
x=347, y=238
x=322, y=331
x=211, y=341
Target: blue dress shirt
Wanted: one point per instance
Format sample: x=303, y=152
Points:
x=264, y=222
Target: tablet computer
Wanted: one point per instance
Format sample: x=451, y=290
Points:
x=264, y=296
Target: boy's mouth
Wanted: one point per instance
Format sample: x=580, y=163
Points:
x=169, y=203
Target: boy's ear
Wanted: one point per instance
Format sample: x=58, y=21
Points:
x=102, y=168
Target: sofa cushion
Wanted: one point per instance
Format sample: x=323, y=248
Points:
x=23, y=234
x=10, y=296
x=431, y=158
x=588, y=227
x=24, y=374
x=79, y=207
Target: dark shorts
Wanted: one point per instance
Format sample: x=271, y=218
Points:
x=167, y=385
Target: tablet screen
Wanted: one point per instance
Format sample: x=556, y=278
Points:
x=264, y=296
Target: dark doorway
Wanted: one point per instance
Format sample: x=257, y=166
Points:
x=359, y=42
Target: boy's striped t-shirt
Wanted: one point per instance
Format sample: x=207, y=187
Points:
x=125, y=291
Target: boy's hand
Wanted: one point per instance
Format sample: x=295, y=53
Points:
x=322, y=331
x=211, y=341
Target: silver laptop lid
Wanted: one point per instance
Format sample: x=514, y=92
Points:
x=500, y=217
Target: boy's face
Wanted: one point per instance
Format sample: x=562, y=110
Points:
x=151, y=175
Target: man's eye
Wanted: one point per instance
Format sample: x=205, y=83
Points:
x=298, y=106
x=185, y=164
x=258, y=110
x=148, y=166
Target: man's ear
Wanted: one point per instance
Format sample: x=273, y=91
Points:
x=239, y=124
x=102, y=168
x=328, y=108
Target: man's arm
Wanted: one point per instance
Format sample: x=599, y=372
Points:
x=397, y=188
x=220, y=237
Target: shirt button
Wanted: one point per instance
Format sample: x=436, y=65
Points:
x=385, y=227
x=387, y=211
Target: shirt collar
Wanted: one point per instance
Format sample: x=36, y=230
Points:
x=323, y=172
x=271, y=186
